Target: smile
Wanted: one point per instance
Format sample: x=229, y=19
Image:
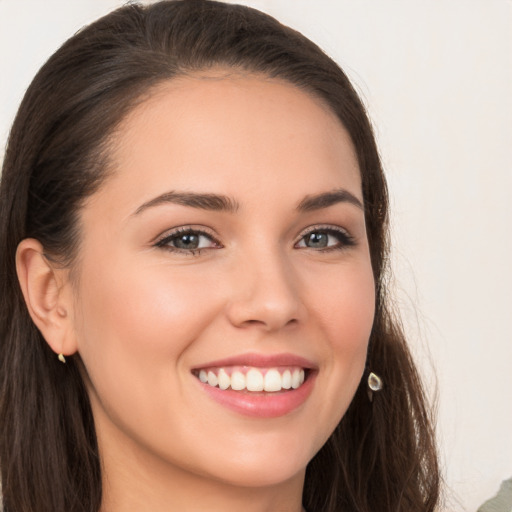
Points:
x=253, y=379
x=259, y=385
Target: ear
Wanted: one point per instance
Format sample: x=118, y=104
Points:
x=48, y=296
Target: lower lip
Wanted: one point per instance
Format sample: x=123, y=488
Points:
x=262, y=405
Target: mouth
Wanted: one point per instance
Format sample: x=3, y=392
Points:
x=258, y=385
x=253, y=379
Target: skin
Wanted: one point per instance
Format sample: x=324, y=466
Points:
x=143, y=316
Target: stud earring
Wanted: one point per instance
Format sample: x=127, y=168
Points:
x=374, y=384
x=61, y=358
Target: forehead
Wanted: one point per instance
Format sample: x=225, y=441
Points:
x=230, y=132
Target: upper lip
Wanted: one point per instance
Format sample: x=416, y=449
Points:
x=260, y=361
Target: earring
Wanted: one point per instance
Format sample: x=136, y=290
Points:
x=374, y=384
x=61, y=358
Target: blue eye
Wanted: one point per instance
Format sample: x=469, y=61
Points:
x=187, y=240
x=326, y=239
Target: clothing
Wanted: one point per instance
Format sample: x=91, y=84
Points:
x=502, y=502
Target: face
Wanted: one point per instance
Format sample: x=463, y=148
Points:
x=225, y=295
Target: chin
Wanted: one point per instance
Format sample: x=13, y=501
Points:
x=267, y=474
x=260, y=466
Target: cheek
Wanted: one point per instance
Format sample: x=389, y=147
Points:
x=355, y=320
x=134, y=318
x=127, y=302
x=347, y=307
x=345, y=312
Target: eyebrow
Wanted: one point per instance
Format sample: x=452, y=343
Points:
x=211, y=202
x=216, y=202
x=326, y=199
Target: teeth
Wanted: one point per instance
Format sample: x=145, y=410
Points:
x=212, y=379
x=224, y=380
x=254, y=379
x=237, y=381
x=295, y=379
x=273, y=381
x=287, y=379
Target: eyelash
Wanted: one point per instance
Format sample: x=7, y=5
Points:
x=345, y=240
x=165, y=242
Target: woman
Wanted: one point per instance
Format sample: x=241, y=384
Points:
x=194, y=236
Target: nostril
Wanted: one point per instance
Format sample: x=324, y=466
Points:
x=265, y=302
x=267, y=324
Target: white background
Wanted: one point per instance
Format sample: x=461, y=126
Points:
x=437, y=79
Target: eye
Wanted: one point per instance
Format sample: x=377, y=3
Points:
x=328, y=238
x=188, y=240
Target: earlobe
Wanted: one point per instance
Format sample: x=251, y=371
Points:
x=46, y=293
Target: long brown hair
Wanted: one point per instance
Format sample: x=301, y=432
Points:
x=381, y=456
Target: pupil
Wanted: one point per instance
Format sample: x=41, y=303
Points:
x=317, y=240
x=187, y=242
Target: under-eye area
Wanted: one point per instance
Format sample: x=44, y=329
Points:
x=254, y=379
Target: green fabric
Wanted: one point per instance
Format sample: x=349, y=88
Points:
x=502, y=502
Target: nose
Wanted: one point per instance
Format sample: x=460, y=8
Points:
x=265, y=294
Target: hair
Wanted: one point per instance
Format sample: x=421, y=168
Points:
x=382, y=455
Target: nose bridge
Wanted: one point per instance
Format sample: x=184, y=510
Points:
x=265, y=290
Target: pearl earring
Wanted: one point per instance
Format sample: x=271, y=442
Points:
x=374, y=384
